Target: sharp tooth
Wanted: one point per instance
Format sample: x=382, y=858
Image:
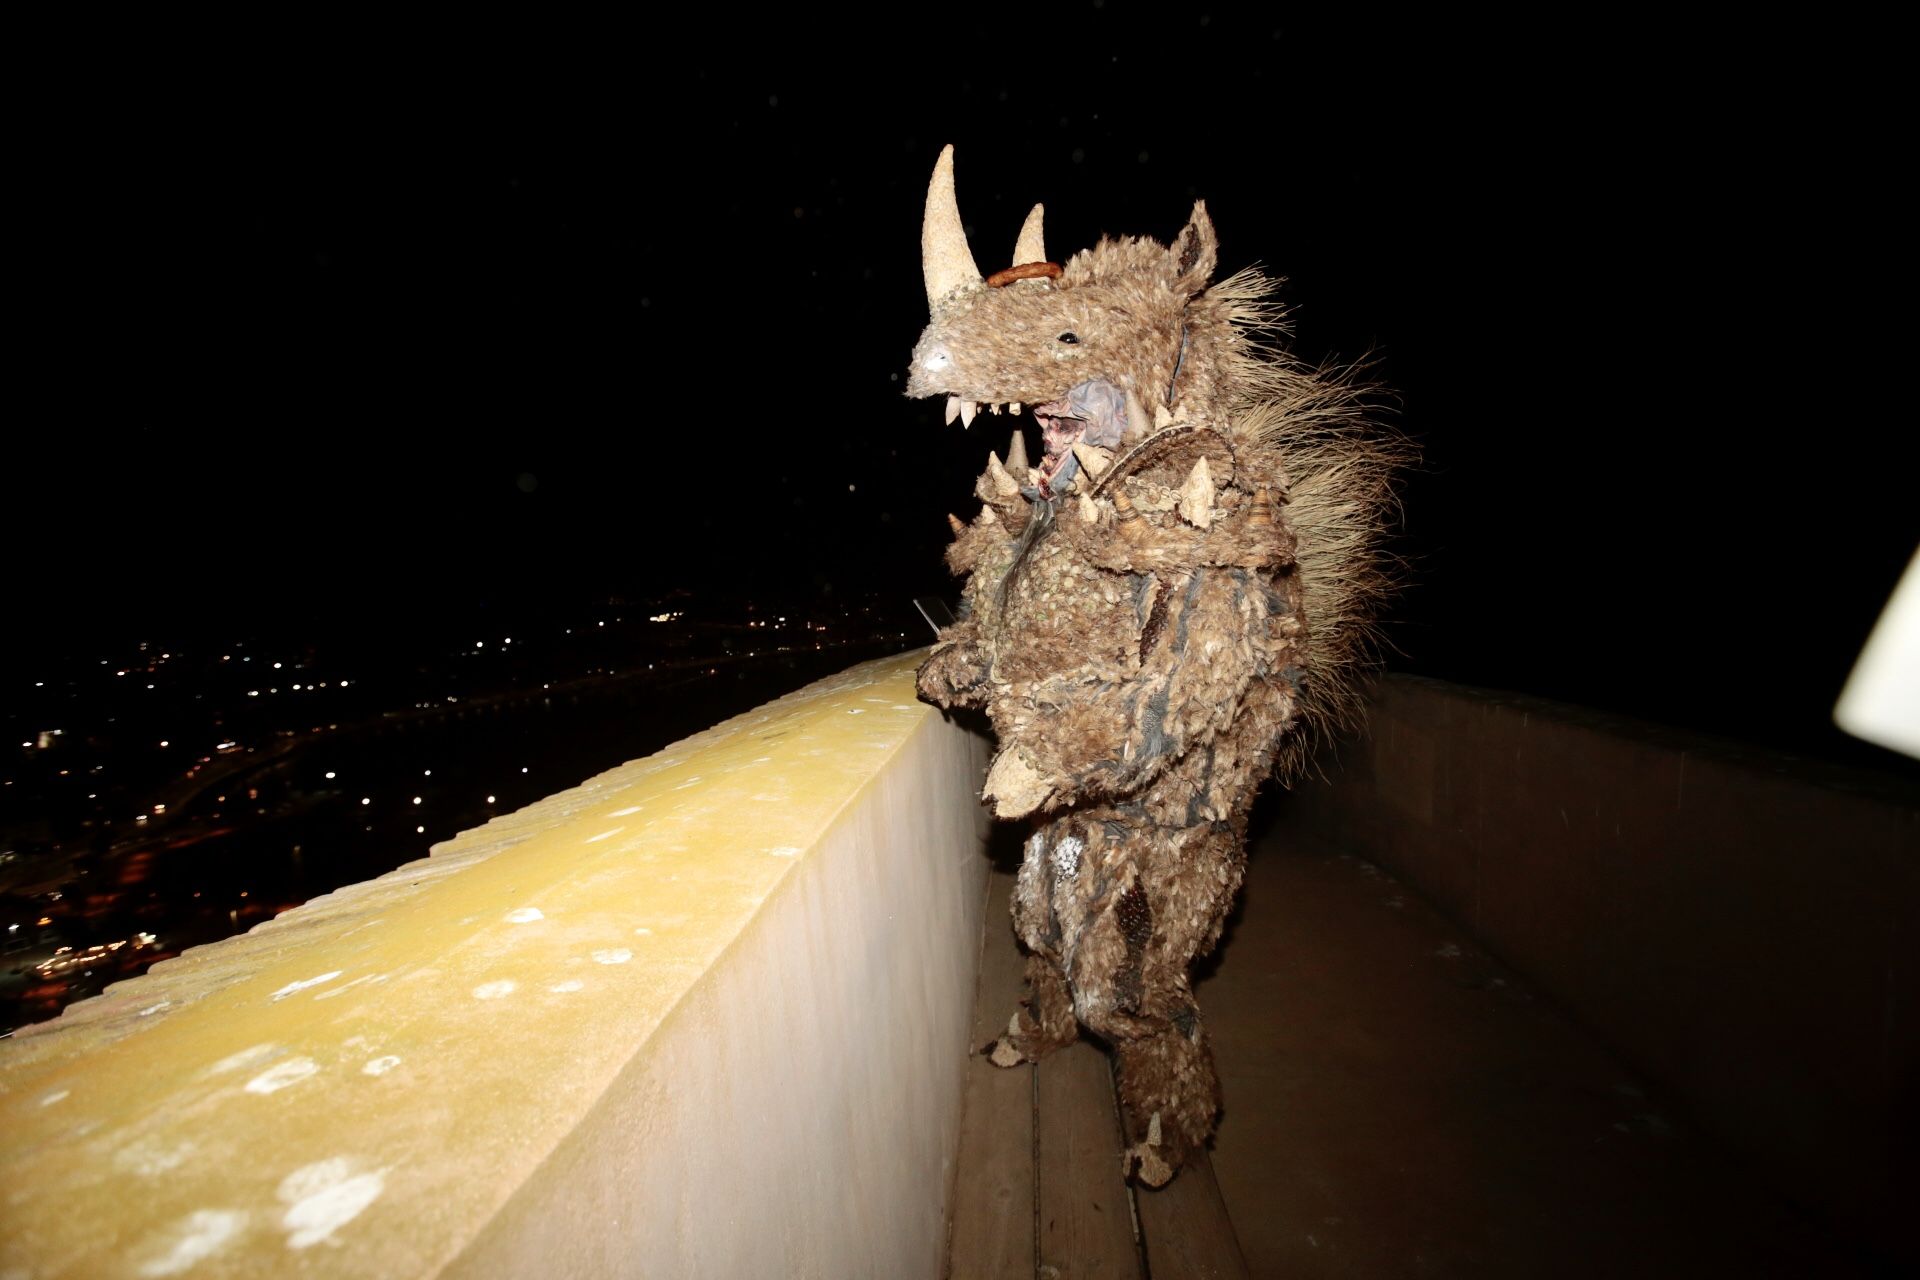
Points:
x=1139, y=421
x=997, y=474
x=1017, y=453
x=967, y=409
x=1013, y=406
x=1093, y=459
x=1196, y=495
x=994, y=407
x=953, y=409
x=1162, y=418
x=954, y=521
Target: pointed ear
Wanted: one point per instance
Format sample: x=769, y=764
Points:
x=1194, y=254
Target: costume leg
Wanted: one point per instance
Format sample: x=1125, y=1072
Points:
x=1169, y=1091
x=1045, y=1022
x=1167, y=897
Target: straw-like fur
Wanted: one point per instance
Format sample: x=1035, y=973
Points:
x=1155, y=621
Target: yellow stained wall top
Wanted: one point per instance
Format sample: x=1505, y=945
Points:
x=354, y=1087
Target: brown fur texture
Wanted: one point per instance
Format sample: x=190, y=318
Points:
x=1154, y=617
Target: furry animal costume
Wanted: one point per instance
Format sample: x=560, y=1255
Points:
x=1151, y=616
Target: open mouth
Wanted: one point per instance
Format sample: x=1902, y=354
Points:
x=1093, y=412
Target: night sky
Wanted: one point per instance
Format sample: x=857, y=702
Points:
x=351, y=337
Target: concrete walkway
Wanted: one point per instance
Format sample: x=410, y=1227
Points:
x=1397, y=1104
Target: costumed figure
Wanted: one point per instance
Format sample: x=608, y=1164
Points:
x=1157, y=614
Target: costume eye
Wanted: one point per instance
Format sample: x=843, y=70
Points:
x=1069, y=338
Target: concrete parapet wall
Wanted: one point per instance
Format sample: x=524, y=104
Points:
x=1744, y=929
x=705, y=1014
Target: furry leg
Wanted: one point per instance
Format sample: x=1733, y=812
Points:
x=1170, y=1096
x=1045, y=1023
x=1159, y=905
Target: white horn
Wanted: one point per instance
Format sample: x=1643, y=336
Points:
x=945, y=259
x=1032, y=244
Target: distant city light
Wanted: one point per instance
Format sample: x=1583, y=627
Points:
x=416, y=799
x=366, y=799
x=163, y=742
x=428, y=773
x=523, y=768
x=489, y=799
x=479, y=644
x=420, y=830
x=330, y=773
x=253, y=693
x=276, y=666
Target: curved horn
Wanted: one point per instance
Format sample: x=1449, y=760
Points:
x=1032, y=244
x=945, y=259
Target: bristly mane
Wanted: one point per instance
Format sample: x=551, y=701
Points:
x=1342, y=465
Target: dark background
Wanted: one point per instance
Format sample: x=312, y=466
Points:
x=343, y=332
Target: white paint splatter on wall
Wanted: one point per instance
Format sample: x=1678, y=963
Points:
x=562, y=988
x=282, y=1074
x=303, y=984
x=323, y=1197
x=196, y=1236
x=612, y=955
x=345, y=987
x=381, y=1065
x=494, y=990
x=149, y=1157
x=245, y=1058
x=525, y=915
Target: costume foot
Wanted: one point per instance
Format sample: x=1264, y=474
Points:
x=1005, y=1051
x=1146, y=1161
